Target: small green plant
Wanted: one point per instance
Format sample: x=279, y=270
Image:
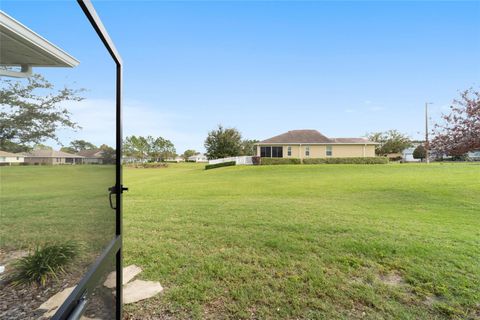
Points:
x=44, y=263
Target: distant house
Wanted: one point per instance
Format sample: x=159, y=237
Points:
x=474, y=155
x=199, y=157
x=176, y=159
x=91, y=156
x=312, y=144
x=45, y=156
x=7, y=158
x=129, y=159
x=407, y=155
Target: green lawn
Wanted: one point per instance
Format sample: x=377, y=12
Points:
x=284, y=242
x=320, y=241
x=50, y=204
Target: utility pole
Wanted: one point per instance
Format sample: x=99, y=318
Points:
x=427, y=146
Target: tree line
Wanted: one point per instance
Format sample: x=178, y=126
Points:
x=148, y=148
x=33, y=111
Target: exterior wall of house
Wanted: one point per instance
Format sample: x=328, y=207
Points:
x=319, y=151
x=296, y=153
x=91, y=160
x=8, y=159
x=345, y=151
x=52, y=160
x=40, y=160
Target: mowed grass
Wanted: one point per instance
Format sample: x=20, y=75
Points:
x=55, y=204
x=306, y=242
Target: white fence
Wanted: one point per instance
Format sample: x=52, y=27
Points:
x=243, y=160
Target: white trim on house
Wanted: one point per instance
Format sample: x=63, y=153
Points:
x=9, y=158
x=313, y=143
x=20, y=46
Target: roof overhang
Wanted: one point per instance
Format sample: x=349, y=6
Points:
x=21, y=47
x=315, y=143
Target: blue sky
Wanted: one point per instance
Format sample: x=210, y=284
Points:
x=343, y=68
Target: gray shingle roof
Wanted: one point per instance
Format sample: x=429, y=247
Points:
x=310, y=136
x=298, y=136
x=9, y=154
x=91, y=153
x=45, y=153
x=351, y=140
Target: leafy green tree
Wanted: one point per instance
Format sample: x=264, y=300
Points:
x=32, y=111
x=223, y=142
x=68, y=150
x=148, y=148
x=80, y=145
x=136, y=147
x=391, y=141
x=161, y=149
x=77, y=146
x=249, y=148
x=188, y=153
x=420, y=152
x=108, y=154
x=41, y=146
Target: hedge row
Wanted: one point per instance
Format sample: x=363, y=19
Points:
x=269, y=161
x=219, y=165
x=355, y=160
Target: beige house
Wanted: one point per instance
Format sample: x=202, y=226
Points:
x=7, y=158
x=91, y=156
x=312, y=144
x=45, y=156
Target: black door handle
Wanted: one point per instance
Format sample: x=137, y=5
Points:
x=113, y=190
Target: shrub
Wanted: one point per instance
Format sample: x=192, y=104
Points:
x=420, y=152
x=396, y=158
x=315, y=161
x=256, y=160
x=219, y=165
x=44, y=263
x=353, y=160
x=270, y=161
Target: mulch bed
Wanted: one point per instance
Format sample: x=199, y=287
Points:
x=22, y=302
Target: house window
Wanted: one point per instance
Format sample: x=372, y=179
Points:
x=307, y=151
x=329, y=151
x=265, y=152
x=271, y=152
x=289, y=151
x=18, y=158
x=277, y=152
